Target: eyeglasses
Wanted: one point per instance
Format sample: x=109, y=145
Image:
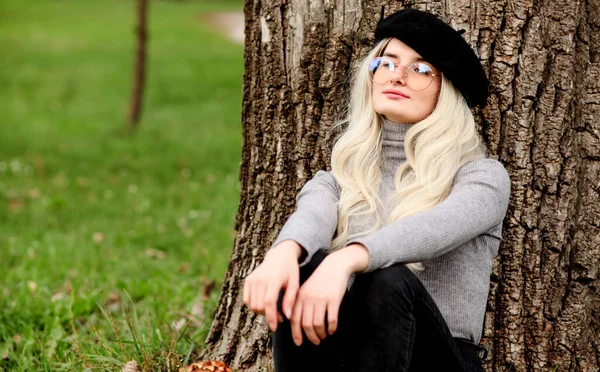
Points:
x=418, y=76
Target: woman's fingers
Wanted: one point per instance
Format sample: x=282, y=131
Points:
x=319, y=320
x=307, y=323
x=270, y=304
x=296, y=323
x=257, y=298
x=291, y=290
x=262, y=287
x=333, y=310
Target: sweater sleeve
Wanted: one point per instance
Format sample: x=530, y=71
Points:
x=477, y=202
x=314, y=221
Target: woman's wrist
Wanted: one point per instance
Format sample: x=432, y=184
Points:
x=354, y=258
x=291, y=245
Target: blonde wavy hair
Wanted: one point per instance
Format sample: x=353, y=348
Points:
x=435, y=147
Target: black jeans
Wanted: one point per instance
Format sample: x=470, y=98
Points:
x=387, y=322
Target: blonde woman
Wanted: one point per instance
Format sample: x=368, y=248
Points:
x=385, y=264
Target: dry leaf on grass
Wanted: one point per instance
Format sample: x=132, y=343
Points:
x=130, y=366
x=98, y=237
x=32, y=286
x=58, y=296
x=113, y=302
x=155, y=253
x=34, y=193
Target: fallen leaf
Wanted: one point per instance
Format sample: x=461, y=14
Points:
x=113, y=296
x=15, y=206
x=32, y=286
x=183, y=268
x=198, y=310
x=113, y=303
x=57, y=296
x=155, y=253
x=208, y=288
x=179, y=324
x=130, y=366
x=98, y=237
x=34, y=193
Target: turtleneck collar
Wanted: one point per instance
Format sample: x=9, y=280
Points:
x=393, y=131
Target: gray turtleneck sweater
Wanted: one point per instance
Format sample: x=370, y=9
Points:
x=456, y=240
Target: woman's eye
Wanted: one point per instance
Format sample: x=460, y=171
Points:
x=381, y=62
x=374, y=64
x=421, y=69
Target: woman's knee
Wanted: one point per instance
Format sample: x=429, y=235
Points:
x=393, y=281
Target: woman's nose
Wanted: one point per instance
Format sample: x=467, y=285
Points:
x=398, y=75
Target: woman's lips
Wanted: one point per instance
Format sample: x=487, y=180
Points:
x=395, y=94
x=392, y=95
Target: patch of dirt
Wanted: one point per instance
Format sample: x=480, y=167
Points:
x=230, y=24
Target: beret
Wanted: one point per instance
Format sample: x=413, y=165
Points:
x=442, y=46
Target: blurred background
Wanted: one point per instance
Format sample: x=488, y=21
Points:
x=114, y=242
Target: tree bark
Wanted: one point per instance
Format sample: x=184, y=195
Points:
x=139, y=73
x=542, y=121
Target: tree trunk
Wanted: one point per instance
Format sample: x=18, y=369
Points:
x=542, y=121
x=139, y=73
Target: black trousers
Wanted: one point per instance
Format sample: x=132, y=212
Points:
x=387, y=322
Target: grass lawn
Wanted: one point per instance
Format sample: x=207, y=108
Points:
x=97, y=224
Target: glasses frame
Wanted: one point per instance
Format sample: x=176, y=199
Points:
x=397, y=65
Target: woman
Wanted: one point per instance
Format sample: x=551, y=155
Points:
x=385, y=263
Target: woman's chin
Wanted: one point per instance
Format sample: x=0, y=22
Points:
x=395, y=117
x=391, y=111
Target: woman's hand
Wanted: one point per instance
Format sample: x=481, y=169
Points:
x=278, y=270
x=323, y=292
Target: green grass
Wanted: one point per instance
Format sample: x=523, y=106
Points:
x=90, y=214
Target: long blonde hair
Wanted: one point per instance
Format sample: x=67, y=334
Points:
x=435, y=147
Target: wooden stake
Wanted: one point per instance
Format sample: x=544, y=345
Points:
x=139, y=73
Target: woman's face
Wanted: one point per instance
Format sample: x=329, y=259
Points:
x=393, y=98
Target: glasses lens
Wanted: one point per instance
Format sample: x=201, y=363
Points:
x=381, y=70
x=418, y=76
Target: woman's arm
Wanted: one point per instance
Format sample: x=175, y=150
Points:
x=314, y=222
x=477, y=202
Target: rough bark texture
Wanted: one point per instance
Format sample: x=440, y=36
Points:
x=542, y=121
x=139, y=72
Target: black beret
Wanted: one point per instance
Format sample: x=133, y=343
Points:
x=442, y=46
